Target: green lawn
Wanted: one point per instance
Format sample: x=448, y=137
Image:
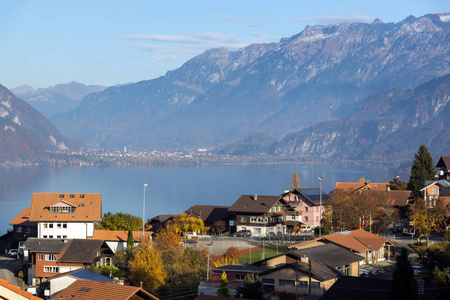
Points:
x=258, y=255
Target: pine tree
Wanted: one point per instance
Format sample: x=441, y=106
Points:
x=422, y=170
x=252, y=288
x=404, y=286
x=223, y=290
x=295, y=182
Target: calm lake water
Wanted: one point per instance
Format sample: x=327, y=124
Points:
x=170, y=190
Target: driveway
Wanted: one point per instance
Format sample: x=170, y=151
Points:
x=9, y=268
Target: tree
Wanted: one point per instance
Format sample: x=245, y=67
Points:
x=295, y=182
x=184, y=223
x=404, y=286
x=361, y=180
x=220, y=226
x=397, y=184
x=147, y=267
x=169, y=245
x=130, y=240
x=427, y=220
x=120, y=221
x=223, y=290
x=422, y=170
x=252, y=288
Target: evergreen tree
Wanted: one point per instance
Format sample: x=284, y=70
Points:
x=252, y=288
x=295, y=182
x=422, y=169
x=223, y=290
x=130, y=240
x=404, y=286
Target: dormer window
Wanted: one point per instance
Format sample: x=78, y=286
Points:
x=81, y=196
x=61, y=196
x=72, y=196
x=61, y=207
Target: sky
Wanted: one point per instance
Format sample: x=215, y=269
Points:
x=43, y=43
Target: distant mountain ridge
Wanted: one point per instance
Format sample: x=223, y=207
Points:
x=386, y=126
x=222, y=96
x=56, y=99
x=25, y=134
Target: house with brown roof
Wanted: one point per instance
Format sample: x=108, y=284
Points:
x=262, y=214
x=158, y=222
x=50, y=257
x=10, y=291
x=101, y=290
x=371, y=247
x=22, y=227
x=210, y=214
x=443, y=167
x=66, y=215
x=360, y=186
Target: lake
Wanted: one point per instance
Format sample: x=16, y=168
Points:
x=171, y=190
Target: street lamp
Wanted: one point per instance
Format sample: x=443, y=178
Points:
x=143, y=216
x=320, y=208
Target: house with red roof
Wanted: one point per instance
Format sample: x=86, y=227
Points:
x=117, y=239
x=371, y=246
x=23, y=228
x=66, y=215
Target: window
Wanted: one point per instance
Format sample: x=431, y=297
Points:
x=58, y=236
x=81, y=196
x=268, y=281
x=19, y=228
x=45, y=236
x=48, y=269
x=50, y=236
x=72, y=196
x=58, y=225
x=287, y=282
x=315, y=285
x=317, y=219
x=50, y=225
x=28, y=229
x=434, y=191
x=240, y=277
x=40, y=257
x=306, y=208
x=302, y=283
x=45, y=225
x=253, y=219
x=64, y=225
x=50, y=257
x=61, y=196
x=306, y=219
x=243, y=219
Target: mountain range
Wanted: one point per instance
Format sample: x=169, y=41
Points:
x=56, y=99
x=222, y=96
x=26, y=135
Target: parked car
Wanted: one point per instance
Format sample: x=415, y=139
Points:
x=12, y=253
x=34, y=289
x=243, y=233
x=417, y=270
x=305, y=228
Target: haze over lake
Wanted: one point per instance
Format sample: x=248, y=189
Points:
x=171, y=190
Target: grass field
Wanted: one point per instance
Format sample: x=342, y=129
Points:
x=260, y=255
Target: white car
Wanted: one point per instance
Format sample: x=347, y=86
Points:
x=12, y=253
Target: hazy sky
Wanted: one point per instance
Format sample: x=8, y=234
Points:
x=43, y=43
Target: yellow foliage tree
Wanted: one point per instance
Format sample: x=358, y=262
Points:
x=427, y=219
x=147, y=267
x=184, y=223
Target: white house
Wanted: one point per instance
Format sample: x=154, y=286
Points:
x=68, y=215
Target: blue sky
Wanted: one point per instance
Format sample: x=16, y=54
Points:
x=43, y=43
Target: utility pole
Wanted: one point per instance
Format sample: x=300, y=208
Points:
x=309, y=283
x=320, y=208
x=296, y=279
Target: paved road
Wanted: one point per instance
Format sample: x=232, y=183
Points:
x=9, y=268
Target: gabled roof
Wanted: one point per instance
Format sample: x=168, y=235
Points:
x=356, y=186
x=81, y=251
x=100, y=290
x=319, y=271
x=393, y=197
x=21, y=294
x=209, y=213
x=45, y=245
x=164, y=218
x=116, y=235
x=248, y=203
x=441, y=183
x=357, y=240
x=23, y=218
x=313, y=195
x=253, y=268
x=83, y=274
x=444, y=162
x=88, y=207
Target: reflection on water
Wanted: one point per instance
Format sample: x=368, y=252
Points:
x=170, y=190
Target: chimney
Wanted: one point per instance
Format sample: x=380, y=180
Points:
x=255, y=197
x=368, y=181
x=304, y=259
x=388, y=188
x=65, y=240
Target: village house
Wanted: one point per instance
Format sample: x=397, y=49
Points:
x=443, y=168
x=210, y=214
x=22, y=227
x=307, y=203
x=437, y=189
x=155, y=224
x=361, y=186
x=262, y=214
x=118, y=239
x=68, y=215
x=63, y=280
x=49, y=257
x=371, y=247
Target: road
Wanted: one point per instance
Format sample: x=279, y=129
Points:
x=9, y=268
